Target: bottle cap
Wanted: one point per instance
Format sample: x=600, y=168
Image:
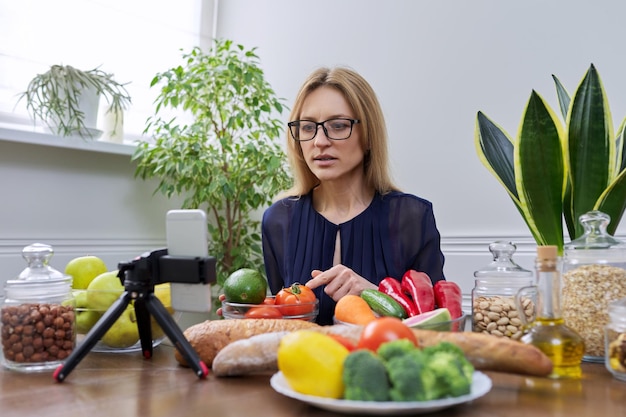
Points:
x=547, y=252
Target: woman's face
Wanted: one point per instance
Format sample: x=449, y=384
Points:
x=331, y=160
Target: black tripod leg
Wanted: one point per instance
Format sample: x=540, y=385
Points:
x=145, y=329
x=95, y=334
x=176, y=335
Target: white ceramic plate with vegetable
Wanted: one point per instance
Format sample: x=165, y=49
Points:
x=481, y=385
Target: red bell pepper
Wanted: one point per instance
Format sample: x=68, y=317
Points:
x=419, y=287
x=448, y=294
x=393, y=288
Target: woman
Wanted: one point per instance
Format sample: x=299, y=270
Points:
x=344, y=226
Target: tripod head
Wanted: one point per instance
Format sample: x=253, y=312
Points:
x=157, y=267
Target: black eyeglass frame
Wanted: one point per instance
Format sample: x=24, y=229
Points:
x=318, y=124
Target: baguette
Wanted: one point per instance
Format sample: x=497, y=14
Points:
x=492, y=353
x=485, y=352
x=209, y=337
x=258, y=354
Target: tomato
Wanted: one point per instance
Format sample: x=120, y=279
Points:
x=384, y=329
x=289, y=298
x=269, y=301
x=347, y=343
x=263, y=313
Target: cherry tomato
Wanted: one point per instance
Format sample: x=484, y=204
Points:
x=384, y=329
x=263, y=313
x=289, y=298
x=269, y=301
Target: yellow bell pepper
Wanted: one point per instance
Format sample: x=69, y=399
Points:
x=312, y=363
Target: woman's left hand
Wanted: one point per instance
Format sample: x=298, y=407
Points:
x=339, y=280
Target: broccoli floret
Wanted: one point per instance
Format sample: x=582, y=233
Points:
x=394, y=348
x=451, y=369
x=428, y=374
x=409, y=376
x=365, y=377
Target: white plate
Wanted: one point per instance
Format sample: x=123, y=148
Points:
x=481, y=384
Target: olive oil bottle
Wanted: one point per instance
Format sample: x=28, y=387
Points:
x=548, y=331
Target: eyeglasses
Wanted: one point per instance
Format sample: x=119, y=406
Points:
x=335, y=129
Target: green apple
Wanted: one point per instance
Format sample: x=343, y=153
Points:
x=124, y=332
x=84, y=269
x=86, y=319
x=103, y=291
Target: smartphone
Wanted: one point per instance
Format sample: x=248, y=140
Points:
x=187, y=235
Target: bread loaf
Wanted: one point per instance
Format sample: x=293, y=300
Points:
x=492, y=353
x=258, y=353
x=209, y=337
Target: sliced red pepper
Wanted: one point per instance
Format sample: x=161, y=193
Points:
x=393, y=288
x=448, y=294
x=420, y=288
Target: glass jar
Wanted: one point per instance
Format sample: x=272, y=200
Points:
x=494, y=309
x=37, y=315
x=594, y=274
x=615, y=339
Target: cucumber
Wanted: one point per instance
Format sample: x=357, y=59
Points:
x=382, y=304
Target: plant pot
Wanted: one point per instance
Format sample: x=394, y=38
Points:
x=88, y=103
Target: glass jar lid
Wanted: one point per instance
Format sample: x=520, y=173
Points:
x=596, y=245
x=38, y=279
x=503, y=265
x=595, y=235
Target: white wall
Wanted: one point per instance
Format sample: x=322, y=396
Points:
x=435, y=64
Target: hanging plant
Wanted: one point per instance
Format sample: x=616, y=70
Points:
x=57, y=98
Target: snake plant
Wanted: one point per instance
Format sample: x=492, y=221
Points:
x=556, y=171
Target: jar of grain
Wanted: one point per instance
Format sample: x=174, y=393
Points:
x=615, y=339
x=37, y=321
x=494, y=309
x=594, y=274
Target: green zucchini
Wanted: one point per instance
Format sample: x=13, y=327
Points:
x=382, y=304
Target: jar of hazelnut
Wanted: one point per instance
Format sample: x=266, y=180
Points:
x=615, y=339
x=593, y=275
x=494, y=308
x=37, y=315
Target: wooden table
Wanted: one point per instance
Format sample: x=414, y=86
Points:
x=120, y=385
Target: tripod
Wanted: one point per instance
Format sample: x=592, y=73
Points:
x=138, y=286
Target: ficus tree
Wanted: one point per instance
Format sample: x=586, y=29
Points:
x=220, y=151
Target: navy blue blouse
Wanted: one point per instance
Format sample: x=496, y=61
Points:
x=397, y=232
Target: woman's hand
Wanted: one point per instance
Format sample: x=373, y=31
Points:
x=221, y=298
x=339, y=280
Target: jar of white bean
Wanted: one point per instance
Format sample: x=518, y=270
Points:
x=594, y=275
x=494, y=308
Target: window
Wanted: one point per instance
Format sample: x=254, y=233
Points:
x=134, y=40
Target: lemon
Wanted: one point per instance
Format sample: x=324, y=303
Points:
x=312, y=363
x=84, y=269
x=245, y=285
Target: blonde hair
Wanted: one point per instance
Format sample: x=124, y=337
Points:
x=366, y=107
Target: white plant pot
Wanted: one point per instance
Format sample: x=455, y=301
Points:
x=88, y=103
